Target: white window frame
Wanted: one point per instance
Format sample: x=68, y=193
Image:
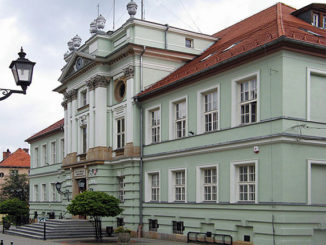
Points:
x=36, y=193
x=234, y=191
x=191, y=40
x=44, y=153
x=148, y=124
x=121, y=133
x=62, y=149
x=43, y=193
x=53, y=154
x=148, y=185
x=172, y=117
x=200, y=182
x=236, y=113
x=201, y=108
x=171, y=184
x=311, y=162
x=53, y=193
x=311, y=71
x=315, y=21
x=37, y=162
x=83, y=95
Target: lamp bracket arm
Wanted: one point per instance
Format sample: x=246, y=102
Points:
x=7, y=92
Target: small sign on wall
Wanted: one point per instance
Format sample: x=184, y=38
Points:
x=80, y=172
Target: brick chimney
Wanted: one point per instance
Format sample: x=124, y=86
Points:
x=6, y=154
x=26, y=150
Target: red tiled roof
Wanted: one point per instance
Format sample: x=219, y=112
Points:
x=19, y=158
x=256, y=31
x=49, y=130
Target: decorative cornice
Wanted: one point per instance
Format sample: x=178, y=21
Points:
x=129, y=72
x=64, y=104
x=70, y=95
x=100, y=81
x=90, y=85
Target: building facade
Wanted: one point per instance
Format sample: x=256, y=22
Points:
x=222, y=133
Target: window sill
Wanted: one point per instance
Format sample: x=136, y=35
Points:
x=83, y=107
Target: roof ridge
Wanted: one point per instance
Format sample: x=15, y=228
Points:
x=279, y=20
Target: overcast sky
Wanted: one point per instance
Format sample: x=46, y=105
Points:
x=43, y=28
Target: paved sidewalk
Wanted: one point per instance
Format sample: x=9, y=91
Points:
x=17, y=240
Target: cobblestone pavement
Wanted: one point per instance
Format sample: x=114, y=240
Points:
x=17, y=240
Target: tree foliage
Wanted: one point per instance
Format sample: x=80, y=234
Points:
x=16, y=209
x=16, y=186
x=95, y=204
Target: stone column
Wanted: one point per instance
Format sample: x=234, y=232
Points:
x=129, y=74
x=64, y=105
x=100, y=110
x=74, y=122
x=68, y=124
x=91, y=90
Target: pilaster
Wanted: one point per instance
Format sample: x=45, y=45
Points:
x=129, y=74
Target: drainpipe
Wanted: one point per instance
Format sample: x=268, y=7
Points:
x=141, y=192
x=141, y=68
x=165, y=36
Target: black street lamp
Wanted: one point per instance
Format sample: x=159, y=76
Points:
x=22, y=69
x=58, y=186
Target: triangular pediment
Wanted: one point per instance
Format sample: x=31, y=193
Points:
x=78, y=61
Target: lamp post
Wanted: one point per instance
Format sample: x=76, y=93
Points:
x=22, y=70
x=58, y=186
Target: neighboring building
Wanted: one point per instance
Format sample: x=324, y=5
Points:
x=18, y=162
x=47, y=151
x=231, y=142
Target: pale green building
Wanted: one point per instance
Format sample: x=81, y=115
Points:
x=220, y=133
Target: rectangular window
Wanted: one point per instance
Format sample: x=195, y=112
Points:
x=36, y=157
x=84, y=135
x=155, y=125
x=248, y=101
x=44, y=197
x=324, y=22
x=179, y=185
x=153, y=224
x=120, y=133
x=155, y=187
x=180, y=119
x=315, y=20
x=83, y=98
x=36, y=193
x=246, y=183
x=210, y=111
x=120, y=222
x=13, y=172
x=44, y=155
x=53, y=153
x=121, y=186
x=178, y=227
x=210, y=184
x=53, y=192
x=189, y=43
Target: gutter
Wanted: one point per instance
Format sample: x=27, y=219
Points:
x=218, y=65
x=166, y=36
x=141, y=68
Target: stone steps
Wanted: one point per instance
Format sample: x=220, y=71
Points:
x=55, y=229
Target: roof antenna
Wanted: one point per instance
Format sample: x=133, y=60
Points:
x=142, y=10
x=113, y=25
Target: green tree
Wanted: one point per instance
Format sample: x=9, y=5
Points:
x=95, y=204
x=16, y=186
x=16, y=209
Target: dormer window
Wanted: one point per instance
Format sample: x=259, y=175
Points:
x=189, y=43
x=315, y=19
